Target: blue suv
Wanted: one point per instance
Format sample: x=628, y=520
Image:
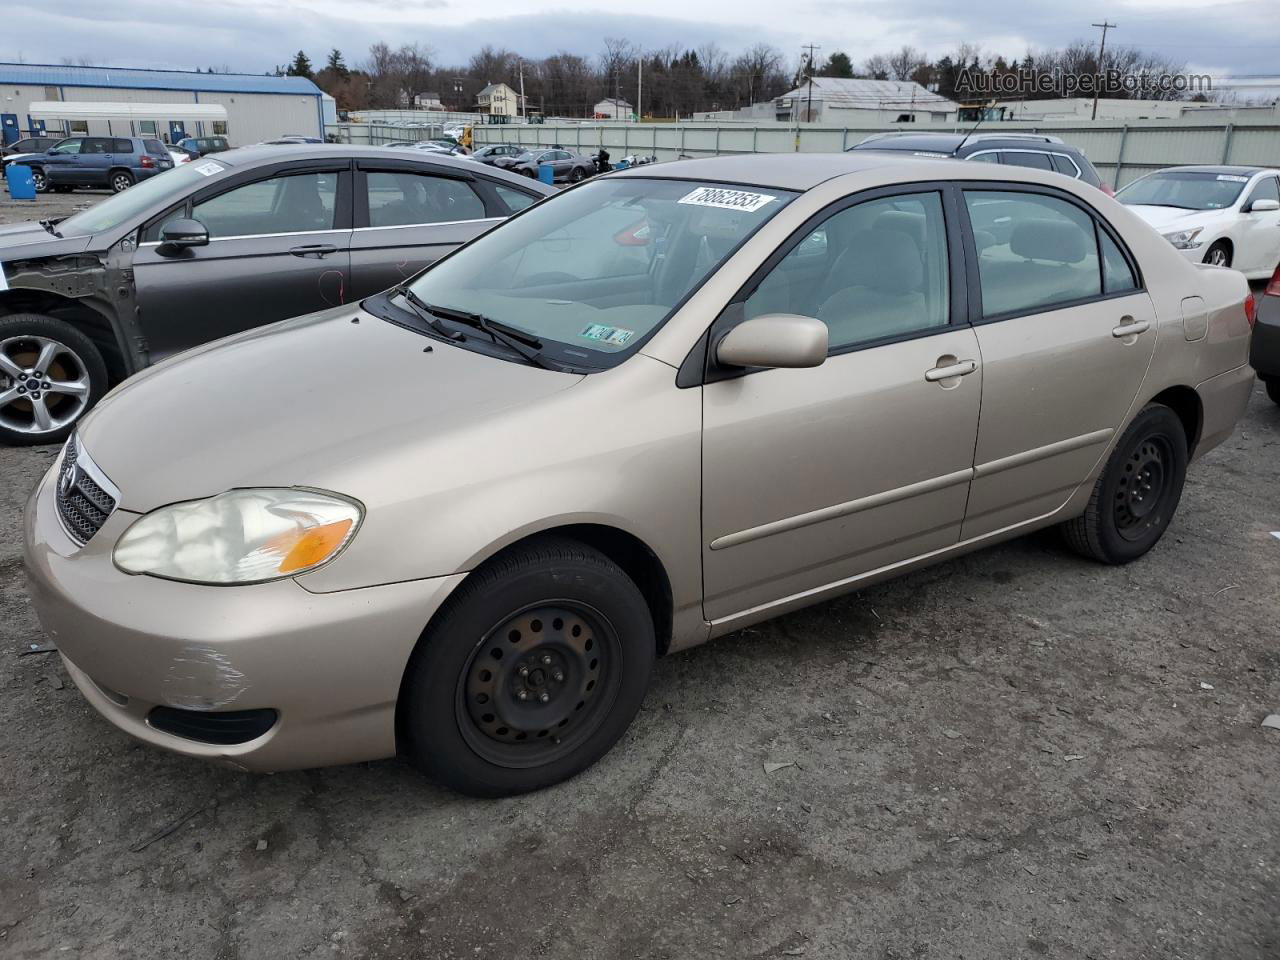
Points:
x=114, y=162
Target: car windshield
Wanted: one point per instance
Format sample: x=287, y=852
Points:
x=594, y=271
x=1188, y=190
x=123, y=207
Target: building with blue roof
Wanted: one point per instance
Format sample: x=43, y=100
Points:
x=44, y=99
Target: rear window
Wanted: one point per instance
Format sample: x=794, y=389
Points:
x=155, y=147
x=1064, y=165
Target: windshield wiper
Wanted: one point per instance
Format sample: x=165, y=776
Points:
x=525, y=344
x=424, y=312
x=48, y=225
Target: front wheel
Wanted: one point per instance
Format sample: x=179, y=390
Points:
x=578, y=175
x=1136, y=496
x=40, y=180
x=1218, y=255
x=50, y=374
x=534, y=669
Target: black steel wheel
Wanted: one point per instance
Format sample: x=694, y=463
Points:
x=1136, y=495
x=531, y=671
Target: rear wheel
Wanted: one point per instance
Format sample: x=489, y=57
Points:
x=535, y=668
x=1136, y=496
x=121, y=180
x=1219, y=254
x=50, y=375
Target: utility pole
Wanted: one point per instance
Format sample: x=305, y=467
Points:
x=1102, y=48
x=639, y=85
x=808, y=111
x=522, y=108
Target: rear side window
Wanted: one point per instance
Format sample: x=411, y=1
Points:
x=400, y=198
x=1117, y=275
x=1034, y=251
x=96, y=145
x=514, y=200
x=1022, y=158
x=1063, y=164
x=155, y=147
x=123, y=146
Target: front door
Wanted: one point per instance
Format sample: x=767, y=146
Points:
x=278, y=248
x=814, y=477
x=59, y=162
x=1066, y=334
x=406, y=220
x=176, y=131
x=1259, y=248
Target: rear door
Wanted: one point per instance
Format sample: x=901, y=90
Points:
x=1066, y=333
x=409, y=215
x=96, y=157
x=278, y=247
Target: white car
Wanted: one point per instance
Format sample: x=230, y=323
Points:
x=179, y=156
x=1226, y=216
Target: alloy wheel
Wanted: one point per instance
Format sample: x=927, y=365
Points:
x=44, y=385
x=539, y=684
x=39, y=181
x=121, y=182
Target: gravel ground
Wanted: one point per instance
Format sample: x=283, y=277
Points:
x=1014, y=754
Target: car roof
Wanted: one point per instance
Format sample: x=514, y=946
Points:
x=1239, y=171
x=783, y=171
x=949, y=142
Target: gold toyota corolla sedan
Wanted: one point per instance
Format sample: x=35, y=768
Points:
x=458, y=521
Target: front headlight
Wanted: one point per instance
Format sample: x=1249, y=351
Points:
x=243, y=536
x=1183, y=239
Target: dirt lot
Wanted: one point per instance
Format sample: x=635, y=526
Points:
x=1016, y=754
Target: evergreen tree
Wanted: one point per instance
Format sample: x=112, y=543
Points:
x=301, y=66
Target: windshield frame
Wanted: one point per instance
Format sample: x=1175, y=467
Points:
x=561, y=352
x=186, y=171
x=1209, y=176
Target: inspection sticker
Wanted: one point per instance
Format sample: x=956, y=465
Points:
x=1233, y=178
x=728, y=199
x=4, y=284
x=208, y=168
x=603, y=334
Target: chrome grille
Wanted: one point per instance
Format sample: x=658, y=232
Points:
x=85, y=497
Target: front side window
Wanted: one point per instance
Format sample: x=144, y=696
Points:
x=68, y=146
x=294, y=204
x=873, y=271
x=119, y=209
x=1185, y=190
x=1034, y=251
x=399, y=198
x=594, y=273
x=1268, y=188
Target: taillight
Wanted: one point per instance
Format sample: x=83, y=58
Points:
x=1251, y=309
x=146, y=162
x=1273, y=288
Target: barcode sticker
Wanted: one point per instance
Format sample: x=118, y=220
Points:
x=727, y=199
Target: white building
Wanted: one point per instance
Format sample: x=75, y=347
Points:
x=611, y=108
x=498, y=99
x=1081, y=108
x=246, y=108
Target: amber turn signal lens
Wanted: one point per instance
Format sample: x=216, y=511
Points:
x=315, y=545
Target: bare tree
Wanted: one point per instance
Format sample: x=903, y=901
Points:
x=904, y=63
x=876, y=67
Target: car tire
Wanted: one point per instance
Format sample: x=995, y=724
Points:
x=577, y=176
x=1218, y=254
x=556, y=621
x=1273, y=389
x=74, y=359
x=121, y=180
x=1138, y=491
x=63, y=188
x=40, y=179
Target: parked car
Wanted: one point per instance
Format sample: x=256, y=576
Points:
x=1264, y=354
x=116, y=163
x=566, y=166
x=1227, y=216
x=1037, y=151
x=292, y=138
x=179, y=156
x=27, y=145
x=459, y=519
x=220, y=245
x=203, y=146
x=500, y=155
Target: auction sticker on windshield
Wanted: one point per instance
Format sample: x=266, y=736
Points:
x=727, y=199
x=1233, y=178
x=208, y=168
x=605, y=334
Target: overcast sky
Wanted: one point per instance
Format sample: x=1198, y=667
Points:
x=1237, y=36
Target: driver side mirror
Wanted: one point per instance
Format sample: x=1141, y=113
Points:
x=1264, y=205
x=183, y=233
x=775, y=340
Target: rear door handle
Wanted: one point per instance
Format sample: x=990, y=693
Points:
x=314, y=250
x=961, y=369
x=1131, y=329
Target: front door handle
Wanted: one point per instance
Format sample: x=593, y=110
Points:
x=1130, y=328
x=314, y=250
x=961, y=368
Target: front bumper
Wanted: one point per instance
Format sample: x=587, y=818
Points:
x=330, y=664
x=1264, y=351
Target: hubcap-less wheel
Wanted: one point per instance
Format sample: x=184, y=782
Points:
x=121, y=181
x=1141, y=488
x=44, y=385
x=539, y=684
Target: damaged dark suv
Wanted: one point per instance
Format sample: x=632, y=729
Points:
x=213, y=247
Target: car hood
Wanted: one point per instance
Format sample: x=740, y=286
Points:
x=1168, y=219
x=22, y=241
x=318, y=401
